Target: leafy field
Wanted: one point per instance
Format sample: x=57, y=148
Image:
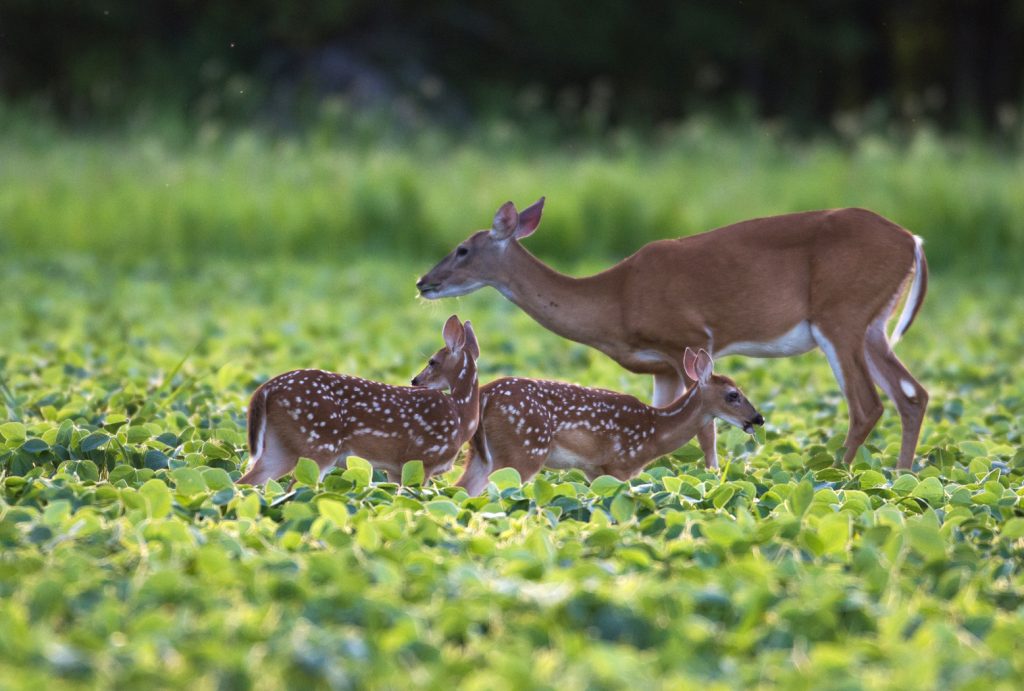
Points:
x=344, y=192
x=127, y=557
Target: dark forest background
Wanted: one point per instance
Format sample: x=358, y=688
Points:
x=955, y=63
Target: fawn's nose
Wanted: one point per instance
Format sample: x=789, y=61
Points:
x=759, y=419
x=415, y=381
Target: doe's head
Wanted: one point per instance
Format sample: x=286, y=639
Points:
x=719, y=393
x=477, y=260
x=450, y=363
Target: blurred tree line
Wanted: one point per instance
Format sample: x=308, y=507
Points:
x=958, y=63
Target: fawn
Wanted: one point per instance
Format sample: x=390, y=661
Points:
x=328, y=417
x=527, y=424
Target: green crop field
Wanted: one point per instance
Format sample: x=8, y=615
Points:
x=135, y=322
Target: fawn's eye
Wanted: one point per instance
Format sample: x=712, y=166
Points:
x=432, y=363
x=732, y=396
x=462, y=252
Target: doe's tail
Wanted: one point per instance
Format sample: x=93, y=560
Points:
x=918, y=288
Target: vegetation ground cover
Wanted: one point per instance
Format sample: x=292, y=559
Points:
x=128, y=557
x=347, y=190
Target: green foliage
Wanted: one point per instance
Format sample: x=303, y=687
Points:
x=129, y=558
x=257, y=197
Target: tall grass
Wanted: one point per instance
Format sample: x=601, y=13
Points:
x=252, y=195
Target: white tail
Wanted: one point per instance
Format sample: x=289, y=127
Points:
x=527, y=424
x=768, y=287
x=328, y=417
x=915, y=298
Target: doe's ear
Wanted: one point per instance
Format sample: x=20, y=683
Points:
x=472, y=347
x=454, y=334
x=690, y=364
x=529, y=219
x=704, y=366
x=506, y=220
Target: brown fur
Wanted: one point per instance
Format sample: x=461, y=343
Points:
x=328, y=417
x=527, y=424
x=838, y=271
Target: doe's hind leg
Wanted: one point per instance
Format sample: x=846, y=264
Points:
x=910, y=398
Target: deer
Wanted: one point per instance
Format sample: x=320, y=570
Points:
x=328, y=416
x=528, y=424
x=767, y=287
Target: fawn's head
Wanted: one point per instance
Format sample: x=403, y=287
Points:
x=477, y=259
x=719, y=394
x=450, y=363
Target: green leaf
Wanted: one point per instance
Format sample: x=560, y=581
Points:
x=157, y=497
x=358, y=471
x=800, y=498
x=354, y=462
x=412, y=473
x=13, y=431
x=930, y=490
x=307, y=472
x=34, y=446
x=216, y=478
x=543, y=491
x=972, y=449
x=136, y=434
x=334, y=511
x=155, y=460
x=904, y=484
x=722, y=531
x=622, y=508
x=248, y=506
x=506, y=478
x=721, y=495
x=605, y=485
x=94, y=441
x=870, y=479
x=1013, y=528
x=188, y=481
x=926, y=540
x=834, y=532
x=443, y=508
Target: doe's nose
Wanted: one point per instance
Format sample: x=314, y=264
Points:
x=420, y=283
x=759, y=419
x=415, y=381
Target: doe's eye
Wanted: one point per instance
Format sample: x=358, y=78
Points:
x=732, y=396
x=461, y=252
x=432, y=363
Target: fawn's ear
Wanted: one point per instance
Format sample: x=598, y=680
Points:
x=529, y=219
x=690, y=364
x=472, y=347
x=506, y=220
x=454, y=334
x=704, y=366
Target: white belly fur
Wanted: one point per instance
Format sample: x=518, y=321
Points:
x=560, y=458
x=794, y=342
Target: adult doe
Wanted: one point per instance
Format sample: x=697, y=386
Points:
x=768, y=287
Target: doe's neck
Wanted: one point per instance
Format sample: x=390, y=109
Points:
x=580, y=309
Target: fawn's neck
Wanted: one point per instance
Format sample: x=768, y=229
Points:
x=465, y=396
x=679, y=421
